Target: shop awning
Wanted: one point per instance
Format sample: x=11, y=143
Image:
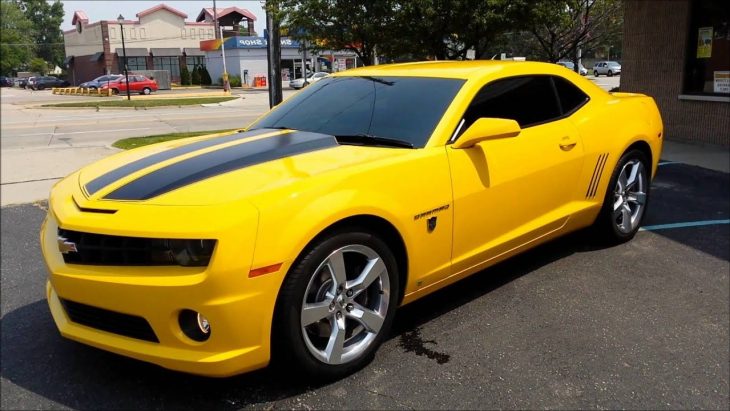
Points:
x=166, y=52
x=132, y=52
x=97, y=56
x=193, y=52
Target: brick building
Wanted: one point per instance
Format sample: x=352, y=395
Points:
x=160, y=39
x=678, y=51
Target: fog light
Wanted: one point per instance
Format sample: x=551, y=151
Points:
x=194, y=325
x=203, y=324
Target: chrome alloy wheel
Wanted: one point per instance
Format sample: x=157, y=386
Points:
x=629, y=197
x=345, y=304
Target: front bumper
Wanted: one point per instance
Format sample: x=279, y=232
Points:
x=239, y=308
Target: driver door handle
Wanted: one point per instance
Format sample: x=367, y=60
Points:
x=567, y=143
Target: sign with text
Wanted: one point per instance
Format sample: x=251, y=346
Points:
x=247, y=42
x=722, y=82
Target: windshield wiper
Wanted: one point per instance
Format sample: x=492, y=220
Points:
x=367, y=139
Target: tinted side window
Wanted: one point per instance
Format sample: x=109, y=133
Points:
x=527, y=100
x=571, y=97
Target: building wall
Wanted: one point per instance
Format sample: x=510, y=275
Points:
x=655, y=43
x=83, y=69
x=88, y=42
x=160, y=30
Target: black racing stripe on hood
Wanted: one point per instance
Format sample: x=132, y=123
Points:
x=221, y=161
x=105, y=179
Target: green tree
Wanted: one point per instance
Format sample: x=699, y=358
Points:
x=448, y=29
x=400, y=29
x=46, y=18
x=184, y=75
x=38, y=65
x=355, y=25
x=561, y=27
x=15, y=38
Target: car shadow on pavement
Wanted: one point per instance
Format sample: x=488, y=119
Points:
x=682, y=193
x=36, y=358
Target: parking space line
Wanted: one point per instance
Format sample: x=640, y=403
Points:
x=667, y=163
x=80, y=132
x=684, y=224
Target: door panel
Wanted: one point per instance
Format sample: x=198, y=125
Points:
x=511, y=191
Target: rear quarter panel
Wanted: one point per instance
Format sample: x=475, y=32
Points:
x=609, y=124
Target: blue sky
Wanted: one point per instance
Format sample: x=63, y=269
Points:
x=109, y=10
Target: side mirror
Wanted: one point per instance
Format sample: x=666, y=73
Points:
x=487, y=129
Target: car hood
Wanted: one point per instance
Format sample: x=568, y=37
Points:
x=220, y=168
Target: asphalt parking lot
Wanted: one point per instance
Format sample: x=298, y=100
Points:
x=643, y=325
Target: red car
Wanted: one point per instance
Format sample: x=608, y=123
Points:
x=137, y=84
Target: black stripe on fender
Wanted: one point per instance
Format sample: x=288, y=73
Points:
x=105, y=179
x=597, y=173
x=221, y=161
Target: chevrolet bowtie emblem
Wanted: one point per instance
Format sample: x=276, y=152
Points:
x=65, y=246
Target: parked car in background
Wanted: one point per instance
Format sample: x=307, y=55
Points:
x=571, y=66
x=29, y=82
x=608, y=68
x=137, y=84
x=20, y=82
x=6, y=81
x=299, y=82
x=100, y=81
x=42, y=83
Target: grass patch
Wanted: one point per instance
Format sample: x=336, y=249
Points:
x=189, y=101
x=134, y=142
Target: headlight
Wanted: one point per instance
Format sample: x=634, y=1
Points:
x=99, y=249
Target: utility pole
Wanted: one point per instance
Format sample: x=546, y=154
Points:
x=273, y=52
x=120, y=19
x=215, y=21
x=226, y=84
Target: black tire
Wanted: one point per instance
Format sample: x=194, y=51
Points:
x=115, y=91
x=595, y=73
x=146, y=91
x=289, y=349
x=610, y=73
x=605, y=226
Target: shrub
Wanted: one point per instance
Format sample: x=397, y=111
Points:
x=205, y=77
x=195, y=77
x=234, y=80
x=184, y=76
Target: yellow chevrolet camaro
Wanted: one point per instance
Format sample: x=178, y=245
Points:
x=295, y=240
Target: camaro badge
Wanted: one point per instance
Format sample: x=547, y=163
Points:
x=65, y=246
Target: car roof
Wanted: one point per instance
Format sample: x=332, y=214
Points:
x=452, y=69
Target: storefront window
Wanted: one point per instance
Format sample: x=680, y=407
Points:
x=133, y=63
x=193, y=61
x=168, y=63
x=707, y=69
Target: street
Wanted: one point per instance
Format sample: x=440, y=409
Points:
x=643, y=325
x=26, y=125
x=34, y=139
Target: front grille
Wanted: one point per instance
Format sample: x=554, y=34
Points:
x=109, y=321
x=100, y=249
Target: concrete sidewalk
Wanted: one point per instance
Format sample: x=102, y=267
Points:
x=29, y=173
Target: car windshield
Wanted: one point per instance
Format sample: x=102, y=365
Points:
x=403, y=108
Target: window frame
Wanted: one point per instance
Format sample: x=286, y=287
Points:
x=690, y=59
x=459, y=130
